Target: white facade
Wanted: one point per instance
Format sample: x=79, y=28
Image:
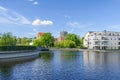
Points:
x=102, y=40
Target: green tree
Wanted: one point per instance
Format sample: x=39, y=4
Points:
x=74, y=38
x=24, y=41
x=69, y=44
x=7, y=39
x=81, y=42
x=66, y=44
x=46, y=40
x=37, y=42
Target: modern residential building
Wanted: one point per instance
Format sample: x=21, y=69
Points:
x=102, y=40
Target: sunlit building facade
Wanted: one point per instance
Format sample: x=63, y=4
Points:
x=102, y=40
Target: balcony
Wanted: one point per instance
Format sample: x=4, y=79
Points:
x=104, y=38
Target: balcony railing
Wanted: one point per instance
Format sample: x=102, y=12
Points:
x=105, y=44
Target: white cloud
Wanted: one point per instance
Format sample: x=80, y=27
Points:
x=35, y=30
x=38, y=22
x=30, y=0
x=30, y=33
x=2, y=8
x=114, y=27
x=71, y=30
x=76, y=25
x=67, y=16
x=12, y=17
x=35, y=3
x=33, y=33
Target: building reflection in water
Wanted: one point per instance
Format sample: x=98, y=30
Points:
x=101, y=58
x=101, y=64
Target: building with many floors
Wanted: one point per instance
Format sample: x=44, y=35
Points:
x=102, y=40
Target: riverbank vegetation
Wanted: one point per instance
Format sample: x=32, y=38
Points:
x=7, y=39
x=70, y=41
x=46, y=40
x=10, y=42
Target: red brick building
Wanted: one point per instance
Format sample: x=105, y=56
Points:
x=40, y=34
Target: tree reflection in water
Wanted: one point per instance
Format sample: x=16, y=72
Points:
x=69, y=55
x=46, y=56
x=7, y=66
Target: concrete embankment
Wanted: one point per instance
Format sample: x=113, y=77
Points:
x=15, y=55
x=19, y=55
x=19, y=51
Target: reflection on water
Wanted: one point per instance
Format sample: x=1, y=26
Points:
x=7, y=67
x=69, y=55
x=5, y=72
x=46, y=56
x=102, y=65
x=64, y=65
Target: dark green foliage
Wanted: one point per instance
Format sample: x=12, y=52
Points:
x=15, y=48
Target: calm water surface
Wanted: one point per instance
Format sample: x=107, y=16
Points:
x=65, y=65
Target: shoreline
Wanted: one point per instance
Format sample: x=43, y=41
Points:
x=78, y=49
x=68, y=49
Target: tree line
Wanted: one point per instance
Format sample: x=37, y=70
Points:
x=70, y=41
x=7, y=39
x=46, y=40
x=8, y=42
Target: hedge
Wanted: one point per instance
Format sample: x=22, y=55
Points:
x=15, y=48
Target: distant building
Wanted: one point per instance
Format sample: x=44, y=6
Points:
x=60, y=38
x=62, y=35
x=102, y=40
x=40, y=34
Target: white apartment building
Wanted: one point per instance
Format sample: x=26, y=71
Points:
x=102, y=40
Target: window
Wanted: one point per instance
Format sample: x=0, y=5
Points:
x=118, y=43
x=110, y=34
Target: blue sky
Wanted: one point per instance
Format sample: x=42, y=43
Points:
x=25, y=18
